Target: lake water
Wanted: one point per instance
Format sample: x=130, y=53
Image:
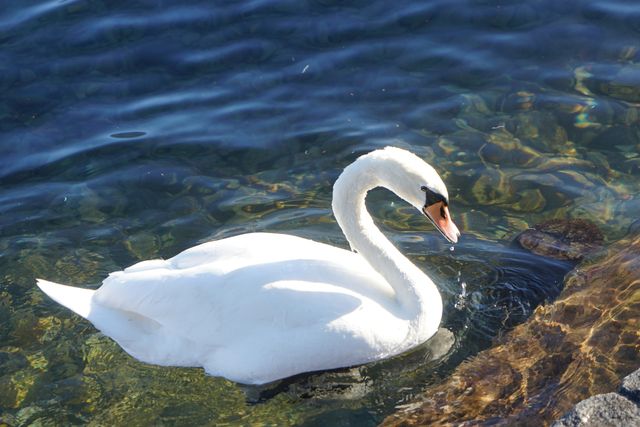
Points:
x=134, y=130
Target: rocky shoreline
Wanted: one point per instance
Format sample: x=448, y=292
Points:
x=619, y=408
x=581, y=345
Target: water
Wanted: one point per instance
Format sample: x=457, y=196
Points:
x=133, y=130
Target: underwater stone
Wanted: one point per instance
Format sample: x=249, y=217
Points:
x=142, y=245
x=626, y=84
x=28, y=415
x=472, y=103
x=596, y=114
x=562, y=239
x=7, y=420
x=541, y=131
x=8, y=394
x=24, y=327
x=472, y=220
x=49, y=327
x=5, y=314
x=602, y=410
x=601, y=163
x=466, y=140
x=516, y=223
x=202, y=185
x=184, y=206
x=614, y=136
x=100, y=354
x=15, y=387
x=11, y=360
x=503, y=148
x=520, y=100
x=632, y=166
x=447, y=146
x=491, y=187
x=530, y=201
x=80, y=264
x=38, y=361
x=631, y=116
x=479, y=122
x=34, y=262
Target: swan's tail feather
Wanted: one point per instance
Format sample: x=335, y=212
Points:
x=76, y=299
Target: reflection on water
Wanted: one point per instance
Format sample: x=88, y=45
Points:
x=134, y=131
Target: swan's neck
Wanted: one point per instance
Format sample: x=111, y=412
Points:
x=416, y=293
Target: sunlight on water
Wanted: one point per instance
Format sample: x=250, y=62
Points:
x=132, y=133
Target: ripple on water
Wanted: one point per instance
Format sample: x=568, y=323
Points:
x=135, y=131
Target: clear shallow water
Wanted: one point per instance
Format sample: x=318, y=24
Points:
x=135, y=130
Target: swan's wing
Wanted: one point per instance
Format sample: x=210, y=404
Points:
x=200, y=291
x=252, y=249
x=253, y=308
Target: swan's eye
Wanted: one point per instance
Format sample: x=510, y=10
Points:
x=433, y=197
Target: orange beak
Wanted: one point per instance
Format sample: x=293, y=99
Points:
x=438, y=213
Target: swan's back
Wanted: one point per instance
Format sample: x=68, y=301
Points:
x=252, y=308
x=260, y=307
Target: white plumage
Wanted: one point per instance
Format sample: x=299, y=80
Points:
x=258, y=307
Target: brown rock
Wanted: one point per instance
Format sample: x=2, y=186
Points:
x=571, y=239
x=579, y=346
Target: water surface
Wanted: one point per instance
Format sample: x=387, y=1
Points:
x=134, y=130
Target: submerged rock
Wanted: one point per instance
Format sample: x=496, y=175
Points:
x=579, y=346
x=634, y=228
x=618, y=81
x=562, y=239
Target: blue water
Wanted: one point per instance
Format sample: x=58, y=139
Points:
x=133, y=130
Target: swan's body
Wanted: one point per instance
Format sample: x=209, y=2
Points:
x=259, y=307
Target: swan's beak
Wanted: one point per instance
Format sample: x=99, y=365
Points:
x=438, y=213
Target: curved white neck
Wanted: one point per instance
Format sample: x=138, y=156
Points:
x=415, y=292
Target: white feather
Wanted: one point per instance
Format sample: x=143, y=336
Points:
x=259, y=307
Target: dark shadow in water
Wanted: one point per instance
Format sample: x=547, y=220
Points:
x=349, y=381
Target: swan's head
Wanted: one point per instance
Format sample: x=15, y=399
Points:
x=419, y=184
x=436, y=208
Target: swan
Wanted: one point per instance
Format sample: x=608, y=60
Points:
x=259, y=307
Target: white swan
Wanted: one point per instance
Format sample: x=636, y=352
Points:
x=260, y=306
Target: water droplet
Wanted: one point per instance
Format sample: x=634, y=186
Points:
x=461, y=299
x=451, y=249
